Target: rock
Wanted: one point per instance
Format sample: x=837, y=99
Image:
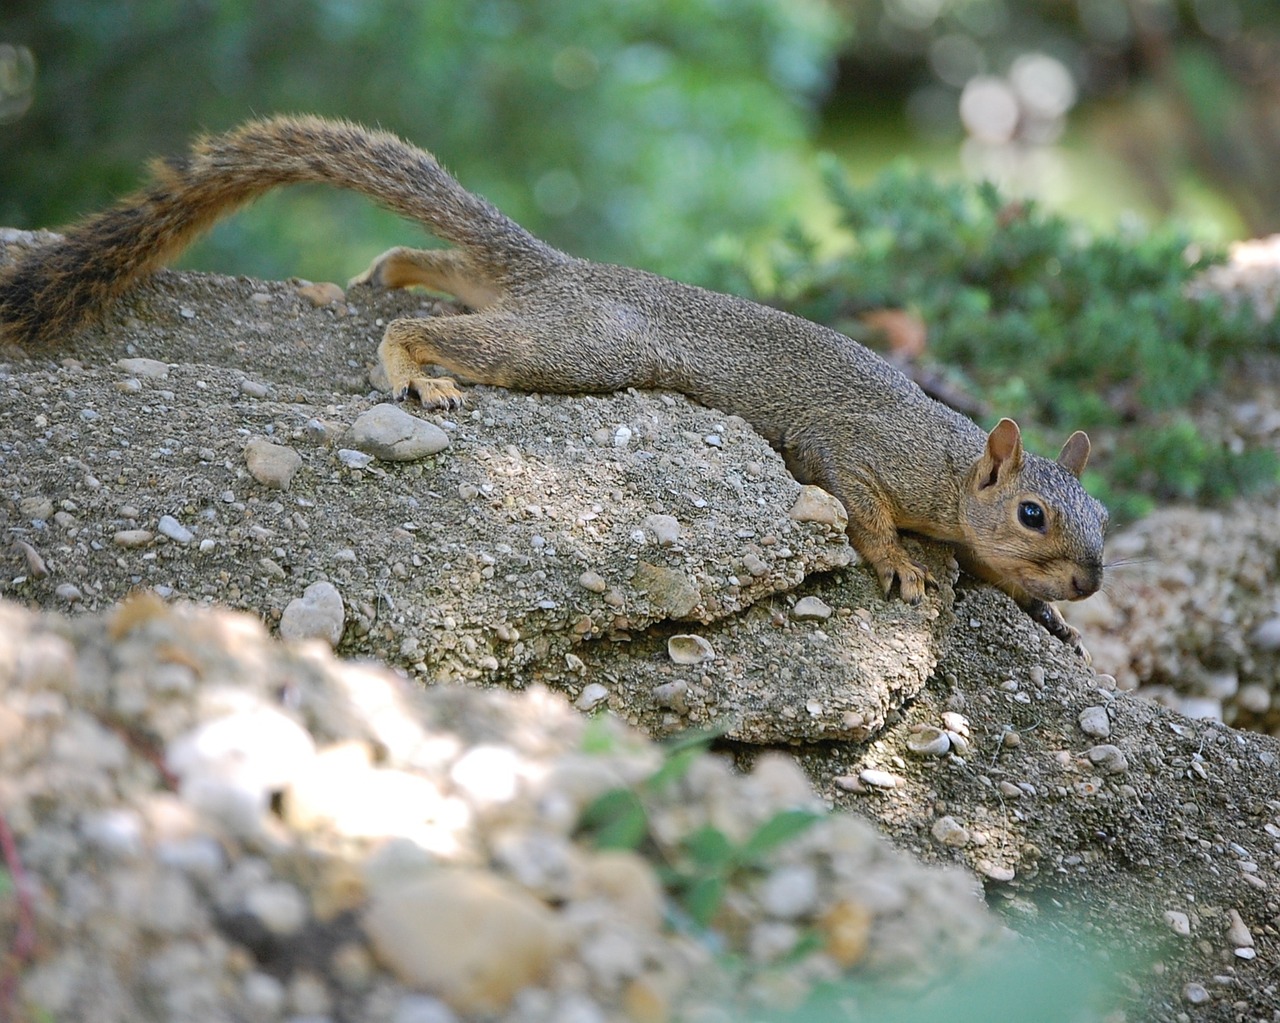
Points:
x=687, y=649
x=1266, y=635
x=353, y=459
x=811, y=609
x=1095, y=722
x=174, y=530
x=264, y=995
x=322, y=294
x=388, y=432
x=487, y=775
x=318, y=614
x=846, y=927
x=593, y=694
x=929, y=741
x=673, y=696
x=1255, y=698
x=272, y=465
x=149, y=368
x=671, y=592
x=117, y=832
x=1109, y=758
x=340, y=791
x=953, y=721
x=422, y=1009
x=1238, y=932
x=1178, y=922
x=131, y=538
x=628, y=882
x=790, y=892
x=470, y=938
x=35, y=508
x=1194, y=994
x=279, y=906
x=593, y=582
x=816, y=505
x=259, y=750
x=948, y=831
x=878, y=779
x=664, y=529
x=37, y=568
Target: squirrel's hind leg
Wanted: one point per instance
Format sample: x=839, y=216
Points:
x=448, y=271
x=475, y=346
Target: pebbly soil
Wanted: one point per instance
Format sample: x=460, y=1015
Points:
x=537, y=547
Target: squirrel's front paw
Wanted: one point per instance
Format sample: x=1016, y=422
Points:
x=431, y=392
x=1051, y=618
x=912, y=578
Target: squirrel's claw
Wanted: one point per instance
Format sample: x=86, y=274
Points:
x=913, y=578
x=432, y=392
x=1051, y=618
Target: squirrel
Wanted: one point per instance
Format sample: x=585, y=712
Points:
x=542, y=320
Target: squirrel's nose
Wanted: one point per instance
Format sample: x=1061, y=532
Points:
x=1086, y=582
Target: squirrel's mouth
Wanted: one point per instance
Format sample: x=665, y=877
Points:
x=1064, y=581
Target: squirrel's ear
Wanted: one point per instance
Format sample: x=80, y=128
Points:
x=1074, y=455
x=1003, y=454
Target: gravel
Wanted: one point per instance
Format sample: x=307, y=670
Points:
x=299, y=837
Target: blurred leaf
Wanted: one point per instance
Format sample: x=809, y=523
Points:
x=709, y=848
x=704, y=897
x=617, y=820
x=778, y=830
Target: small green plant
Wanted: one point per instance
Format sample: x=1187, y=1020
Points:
x=1045, y=322
x=699, y=868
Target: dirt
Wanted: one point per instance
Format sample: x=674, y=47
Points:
x=469, y=566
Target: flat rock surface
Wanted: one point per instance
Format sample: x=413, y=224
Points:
x=466, y=564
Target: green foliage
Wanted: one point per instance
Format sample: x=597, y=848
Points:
x=698, y=869
x=1048, y=980
x=1061, y=329
x=629, y=132
x=1045, y=980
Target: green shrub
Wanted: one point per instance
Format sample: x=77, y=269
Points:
x=1044, y=322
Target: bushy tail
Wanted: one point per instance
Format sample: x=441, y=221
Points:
x=60, y=287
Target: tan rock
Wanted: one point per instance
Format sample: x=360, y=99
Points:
x=472, y=939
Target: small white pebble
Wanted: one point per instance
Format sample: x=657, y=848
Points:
x=877, y=778
x=1178, y=922
x=174, y=530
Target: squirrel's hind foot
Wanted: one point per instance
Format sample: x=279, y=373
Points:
x=432, y=392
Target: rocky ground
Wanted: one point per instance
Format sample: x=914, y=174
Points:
x=212, y=825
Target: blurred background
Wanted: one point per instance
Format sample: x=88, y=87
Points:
x=664, y=134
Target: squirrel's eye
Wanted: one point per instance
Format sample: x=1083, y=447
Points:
x=1031, y=515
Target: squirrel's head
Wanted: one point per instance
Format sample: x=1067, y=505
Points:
x=1029, y=522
